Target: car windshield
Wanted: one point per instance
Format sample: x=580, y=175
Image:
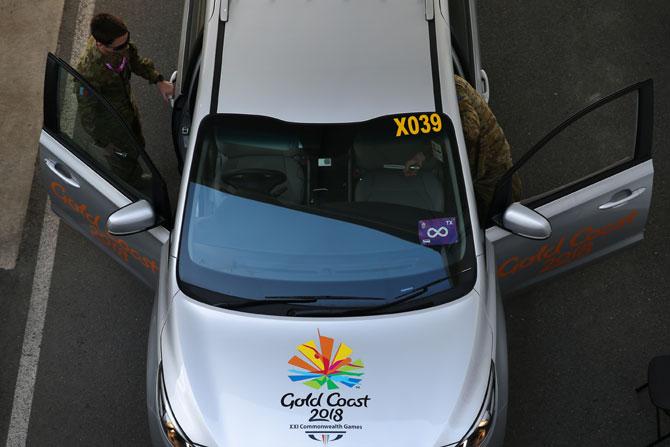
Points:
x=282, y=216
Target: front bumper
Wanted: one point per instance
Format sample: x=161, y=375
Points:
x=158, y=438
x=495, y=439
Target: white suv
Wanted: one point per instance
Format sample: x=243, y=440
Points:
x=309, y=289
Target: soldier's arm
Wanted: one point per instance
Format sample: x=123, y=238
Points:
x=85, y=108
x=492, y=153
x=485, y=186
x=143, y=66
x=93, y=116
x=495, y=161
x=483, y=173
x=469, y=122
x=86, y=105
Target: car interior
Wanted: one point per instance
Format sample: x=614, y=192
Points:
x=317, y=165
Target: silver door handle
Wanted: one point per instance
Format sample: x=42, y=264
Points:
x=628, y=198
x=62, y=172
x=485, y=80
x=173, y=80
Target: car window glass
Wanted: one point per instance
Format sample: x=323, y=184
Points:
x=366, y=209
x=196, y=26
x=193, y=92
x=99, y=136
x=600, y=140
x=459, y=23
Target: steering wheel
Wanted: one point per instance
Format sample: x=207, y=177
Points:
x=264, y=181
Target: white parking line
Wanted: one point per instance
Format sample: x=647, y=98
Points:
x=39, y=297
x=82, y=30
x=32, y=339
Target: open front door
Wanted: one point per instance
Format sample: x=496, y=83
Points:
x=592, y=179
x=91, y=166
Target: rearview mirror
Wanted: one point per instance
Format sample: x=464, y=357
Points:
x=525, y=222
x=131, y=219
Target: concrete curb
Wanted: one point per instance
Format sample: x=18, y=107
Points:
x=31, y=31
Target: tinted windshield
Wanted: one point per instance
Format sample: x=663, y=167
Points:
x=351, y=215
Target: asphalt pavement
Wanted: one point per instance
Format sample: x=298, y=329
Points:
x=578, y=345
x=21, y=53
x=90, y=388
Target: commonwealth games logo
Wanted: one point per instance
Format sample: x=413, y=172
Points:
x=320, y=366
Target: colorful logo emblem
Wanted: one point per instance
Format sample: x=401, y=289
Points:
x=322, y=367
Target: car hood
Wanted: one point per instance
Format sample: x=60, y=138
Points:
x=240, y=379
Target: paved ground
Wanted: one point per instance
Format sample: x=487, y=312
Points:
x=578, y=346
x=21, y=53
x=90, y=388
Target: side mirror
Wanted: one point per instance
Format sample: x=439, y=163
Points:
x=131, y=219
x=525, y=222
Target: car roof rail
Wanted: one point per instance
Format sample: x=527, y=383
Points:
x=224, y=11
x=430, y=10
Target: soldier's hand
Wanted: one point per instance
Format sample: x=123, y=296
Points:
x=166, y=89
x=414, y=164
x=114, y=150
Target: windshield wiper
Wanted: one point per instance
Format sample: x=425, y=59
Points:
x=270, y=300
x=401, y=299
x=343, y=312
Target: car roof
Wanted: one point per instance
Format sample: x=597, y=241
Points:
x=326, y=60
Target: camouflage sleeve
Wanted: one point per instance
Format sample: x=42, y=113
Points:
x=143, y=66
x=85, y=109
x=88, y=108
x=471, y=132
x=470, y=123
x=489, y=151
x=495, y=160
x=485, y=186
x=92, y=118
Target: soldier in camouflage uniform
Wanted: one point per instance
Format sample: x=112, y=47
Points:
x=107, y=64
x=489, y=153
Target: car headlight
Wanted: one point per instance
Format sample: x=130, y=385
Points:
x=173, y=432
x=484, y=422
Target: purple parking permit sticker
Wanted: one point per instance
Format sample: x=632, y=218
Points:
x=440, y=231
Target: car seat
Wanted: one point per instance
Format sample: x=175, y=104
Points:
x=275, y=151
x=381, y=178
